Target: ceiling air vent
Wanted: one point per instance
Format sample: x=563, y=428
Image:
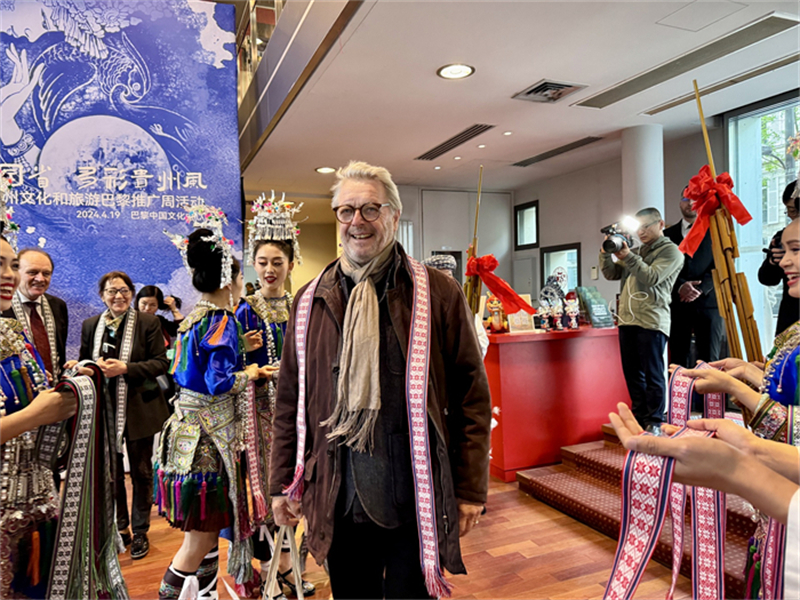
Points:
x=555, y=152
x=726, y=83
x=548, y=91
x=455, y=141
x=758, y=31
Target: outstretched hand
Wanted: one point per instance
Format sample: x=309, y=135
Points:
x=699, y=461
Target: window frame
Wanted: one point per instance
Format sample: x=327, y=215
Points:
x=559, y=248
x=517, y=210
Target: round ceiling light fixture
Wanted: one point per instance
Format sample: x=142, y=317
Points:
x=456, y=71
x=507, y=132
x=436, y=168
x=481, y=146
x=325, y=170
x=456, y=158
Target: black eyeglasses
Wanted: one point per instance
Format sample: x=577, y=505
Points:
x=111, y=292
x=369, y=212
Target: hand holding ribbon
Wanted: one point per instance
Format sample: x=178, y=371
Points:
x=484, y=268
x=707, y=194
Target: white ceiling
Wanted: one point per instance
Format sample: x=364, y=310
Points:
x=376, y=96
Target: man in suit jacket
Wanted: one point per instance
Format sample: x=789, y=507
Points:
x=43, y=316
x=694, y=302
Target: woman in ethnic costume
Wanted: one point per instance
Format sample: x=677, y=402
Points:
x=201, y=485
x=29, y=501
x=774, y=407
x=273, y=249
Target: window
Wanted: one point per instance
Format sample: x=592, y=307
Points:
x=526, y=229
x=564, y=261
x=405, y=235
x=761, y=166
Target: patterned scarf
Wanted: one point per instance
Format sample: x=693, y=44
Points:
x=358, y=391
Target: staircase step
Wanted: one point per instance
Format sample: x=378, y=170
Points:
x=609, y=435
x=596, y=502
x=605, y=463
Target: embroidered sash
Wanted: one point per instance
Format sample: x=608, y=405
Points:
x=251, y=447
x=773, y=558
x=124, y=356
x=416, y=405
x=85, y=562
x=49, y=326
x=647, y=481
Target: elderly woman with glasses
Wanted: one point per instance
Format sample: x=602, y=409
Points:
x=129, y=348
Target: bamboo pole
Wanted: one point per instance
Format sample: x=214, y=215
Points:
x=731, y=287
x=473, y=286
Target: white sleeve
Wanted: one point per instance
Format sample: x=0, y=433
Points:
x=483, y=338
x=791, y=570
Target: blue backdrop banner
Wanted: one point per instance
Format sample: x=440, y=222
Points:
x=114, y=116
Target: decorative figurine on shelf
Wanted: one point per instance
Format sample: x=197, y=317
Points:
x=573, y=310
x=558, y=316
x=496, y=323
x=544, y=315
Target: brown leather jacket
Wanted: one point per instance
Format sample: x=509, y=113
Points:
x=459, y=407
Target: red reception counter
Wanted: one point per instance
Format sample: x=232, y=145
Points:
x=550, y=390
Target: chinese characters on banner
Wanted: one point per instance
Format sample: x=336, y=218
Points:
x=115, y=115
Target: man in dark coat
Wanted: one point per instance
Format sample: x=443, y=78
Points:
x=43, y=316
x=359, y=497
x=694, y=301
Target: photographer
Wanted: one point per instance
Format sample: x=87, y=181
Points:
x=647, y=274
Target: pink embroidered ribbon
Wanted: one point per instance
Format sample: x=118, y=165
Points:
x=416, y=404
x=708, y=506
x=646, y=484
x=302, y=315
x=251, y=443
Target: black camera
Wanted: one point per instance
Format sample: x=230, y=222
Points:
x=616, y=233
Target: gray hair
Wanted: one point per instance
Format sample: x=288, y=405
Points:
x=366, y=172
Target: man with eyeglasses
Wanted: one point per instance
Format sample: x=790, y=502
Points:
x=694, y=301
x=770, y=273
x=389, y=479
x=647, y=274
x=43, y=315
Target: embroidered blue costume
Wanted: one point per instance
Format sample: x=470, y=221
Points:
x=777, y=417
x=201, y=478
x=28, y=498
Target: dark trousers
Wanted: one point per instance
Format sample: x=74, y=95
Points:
x=140, y=457
x=369, y=561
x=642, y=352
x=708, y=328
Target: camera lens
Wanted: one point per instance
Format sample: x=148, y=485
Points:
x=612, y=244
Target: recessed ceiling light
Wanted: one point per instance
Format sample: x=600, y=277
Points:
x=325, y=170
x=456, y=158
x=507, y=132
x=436, y=168
x=481, y=145
x=456, y=71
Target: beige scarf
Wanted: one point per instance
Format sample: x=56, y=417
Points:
x=358, y=393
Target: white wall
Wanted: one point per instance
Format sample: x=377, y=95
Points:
x=683, y=158
x=444, y=219
x=573, y=207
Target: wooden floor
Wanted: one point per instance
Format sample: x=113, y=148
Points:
x=521, y=549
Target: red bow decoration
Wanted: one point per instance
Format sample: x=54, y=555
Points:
x=484, y=268
x=706, y=195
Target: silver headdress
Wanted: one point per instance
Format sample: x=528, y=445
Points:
x=8, y=228
x=203, y=216
x=273, y=222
